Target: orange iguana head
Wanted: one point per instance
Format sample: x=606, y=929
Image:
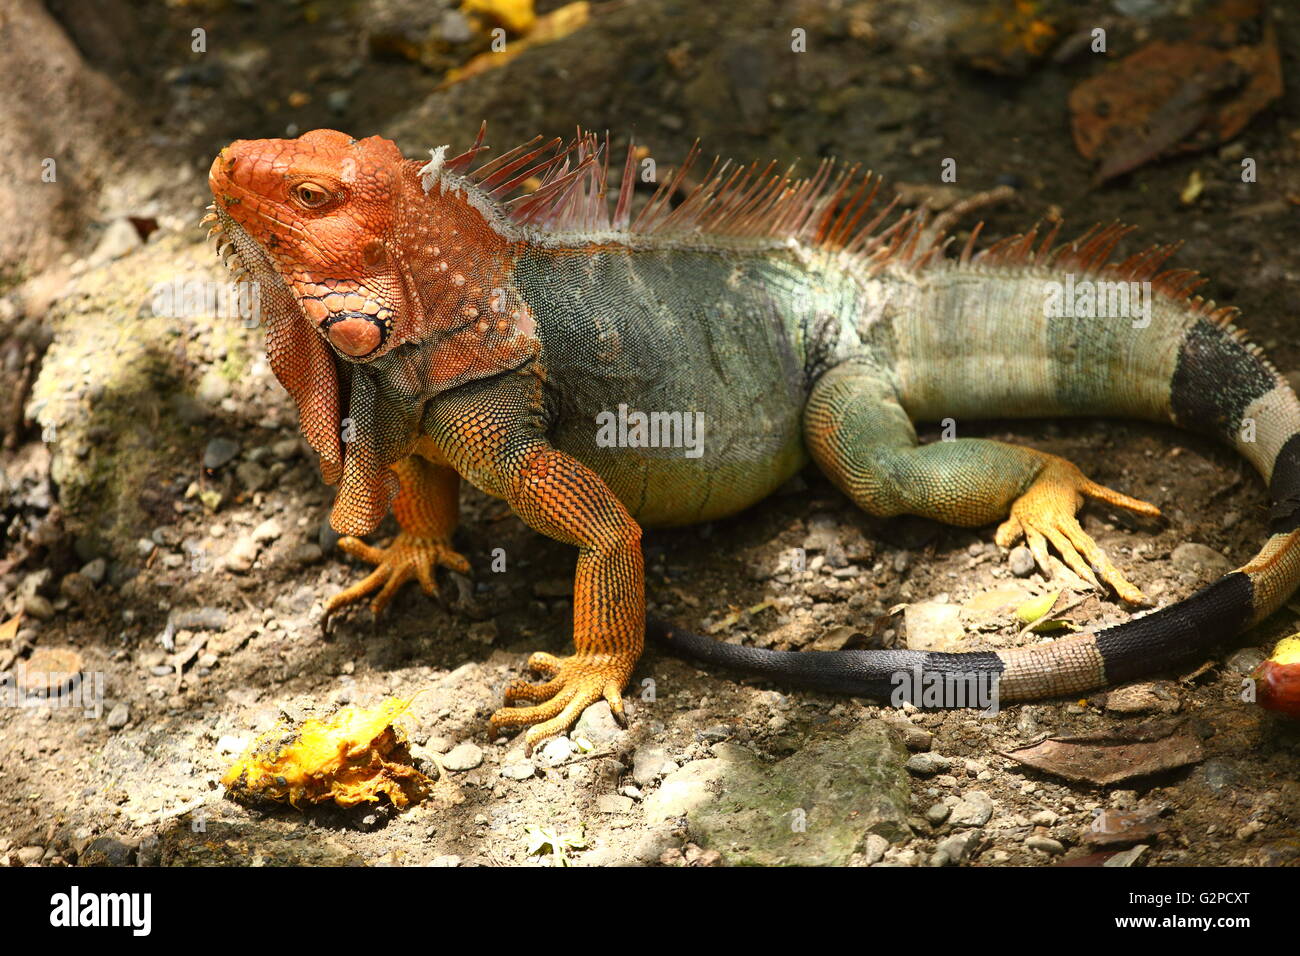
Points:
x=356, y=252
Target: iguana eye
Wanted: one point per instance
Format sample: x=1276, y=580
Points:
x=311, y=194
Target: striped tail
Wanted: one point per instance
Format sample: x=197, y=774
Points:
x=1214, y=382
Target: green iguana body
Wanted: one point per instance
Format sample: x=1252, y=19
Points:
x=759, y=323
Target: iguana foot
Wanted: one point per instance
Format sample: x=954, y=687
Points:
x=1045, y=513
x=575, y=683
x=409, y=556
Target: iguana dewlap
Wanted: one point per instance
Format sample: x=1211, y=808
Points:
x=430, y=328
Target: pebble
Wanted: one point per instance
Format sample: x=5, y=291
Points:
x=1021, y=561
x=954, y=849
x=76, y=587
x=649, y=764
x=937, y=814
x=219, y=451
x=873, y=848
x=974, y=809
x=1246, y=660
x=927, y=764
x=555, y=752
x=1142, y=699
x=119, y=717
x=29, y=855
x=95, y=571
x=464, y=756
x=1044, y=818
x=241, y=556
x=597, y=725
x=1045, y=844
x=268, y=530
x=1190, y=556
x=38, y=606
x=613, y=803
x=518, y=771
x=47, y=663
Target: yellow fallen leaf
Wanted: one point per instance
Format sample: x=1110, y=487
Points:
x=517, y=16
x=9, y=629
x=353, y=756
x=553, y=26
x=1037, y=608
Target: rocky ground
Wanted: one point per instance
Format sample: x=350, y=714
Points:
x=165, y=525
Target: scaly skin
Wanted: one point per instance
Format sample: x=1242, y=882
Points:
x=469, y=345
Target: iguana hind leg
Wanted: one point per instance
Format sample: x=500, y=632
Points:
x=426, y=509
x=862, y=439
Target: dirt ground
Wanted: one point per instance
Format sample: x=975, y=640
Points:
x=165, y=523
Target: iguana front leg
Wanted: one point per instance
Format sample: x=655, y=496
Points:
x=488, y=436
x=427, y=509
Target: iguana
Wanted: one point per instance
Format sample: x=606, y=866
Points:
x=461, y=318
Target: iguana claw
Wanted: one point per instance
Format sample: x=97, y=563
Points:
x=1045, y=514
x=409, y=556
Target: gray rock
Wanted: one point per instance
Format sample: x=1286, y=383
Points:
x=927, y=764
x=464, y=756
x=30, y=855
x=268, y=530
x=1190, y=556
x=38, y=606
x=242, y=554
x=523, y=770
x=873, y=848
x=219, y=451
x=955, y=849
x=937, y=814
x=932, y=626
x=816, y=807
x=649, y=764
x=119, y=717
x=253, y=476
x=94, y=571
x=554, y=752
x=597, y=725
x=1021, y=561
x=1128, y=857
x=974, y=809
x=613, y=803
x=1046, y=845
x=1143, y=699
x=1246, y=660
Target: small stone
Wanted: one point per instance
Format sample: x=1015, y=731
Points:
x=914, y=737
x=1045, y=845
x=240, y=558
x=464, y=756
x=30, y=855
x=932, y=626
x=119, y=717
x=38, y=606
x=649, y=764
x=937, y=814
x=1246, y=660
x=522, y=770
x=219, y=451
x=144, y=547
x=954, y=849
x=555, y=752
x=1044, y=818
x=1190, y=556
x=95, y=571
x=268, y=530
x=597, y=725
x=448, y=860
x=974, y=809
x=1127, y=857
x=613, y=803
x=76, y=587
x=253, y=476
x=1021, y=561
x=927, y=764
x=286, y=449
x=873, y=848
